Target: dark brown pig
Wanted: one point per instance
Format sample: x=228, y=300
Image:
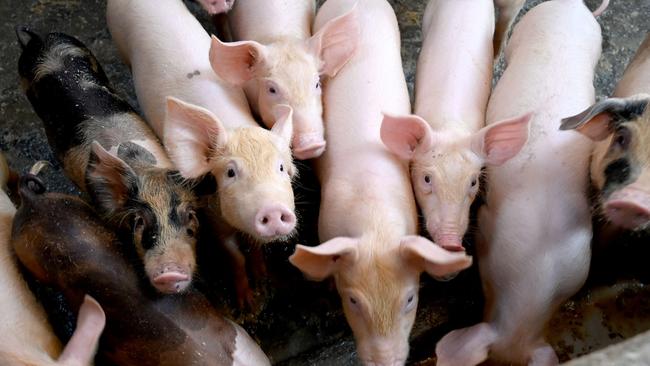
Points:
x=110, y=152
x=62, y=243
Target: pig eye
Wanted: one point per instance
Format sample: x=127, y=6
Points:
x=318, y=85
x=474, y=182
x=410, y=302
x=353, y=301
x=427, y=179
x=622, y=138
x=281, y=167
x=231, y=173
x=272, y=90
x=138, y=223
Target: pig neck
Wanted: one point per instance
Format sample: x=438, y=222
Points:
x=267, y=21
x=454, y=70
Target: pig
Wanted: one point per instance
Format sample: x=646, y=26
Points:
x=278, y=61
x=368, y=218
x=533, y=242
x=214, y=7
x=27, y=337
x=110, y=152
x=208, y=126
x=445, y=141
x=63, y=243
x=620, y=126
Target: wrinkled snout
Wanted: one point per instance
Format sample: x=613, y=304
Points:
x=629, y=208
x=383, y=353
x=451, y=242
x=308, y=145
x=171, y=278
x=274, y=221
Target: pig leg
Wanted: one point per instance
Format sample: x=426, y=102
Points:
x=543, y=356
x=81, y=348
x=508, y=10
x=242, y=288
x=467, y=346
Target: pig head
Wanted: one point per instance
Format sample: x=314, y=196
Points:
x=620, y=166
x=252, y=166
x=377, y=277
x=288, y=71
x=446, y=167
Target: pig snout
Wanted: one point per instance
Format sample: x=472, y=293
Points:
x=171, y=278
x=383, y=353
x=274, y=220
x=629, y=208
x=308, y=146
x=217, y=6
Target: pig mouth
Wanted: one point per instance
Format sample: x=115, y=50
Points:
x=171, y=281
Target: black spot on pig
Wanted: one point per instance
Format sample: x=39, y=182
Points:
x=146, y=226
x=617, y=172
x=133, y=153
x=192, y=74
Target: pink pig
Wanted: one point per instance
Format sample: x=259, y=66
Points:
x=368, y=216
x=535, y=229
x=278, y=61
x=444, y=141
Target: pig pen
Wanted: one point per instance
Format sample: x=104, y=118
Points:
x=299, y=322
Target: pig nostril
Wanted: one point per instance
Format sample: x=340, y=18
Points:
x=283, y=218
x=265, y=220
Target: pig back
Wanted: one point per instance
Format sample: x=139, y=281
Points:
x=636, y=78
x=62, y=243
x=268, y=20
x=168, y=51
x=356, y=169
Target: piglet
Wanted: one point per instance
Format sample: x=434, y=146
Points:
x=278, y=61
x=62, y=243
x=444, y=141
x=367, y=219
x=110, y=152
x=621, y=128
x=533, y=245
x=27, y=338
x=208, y=127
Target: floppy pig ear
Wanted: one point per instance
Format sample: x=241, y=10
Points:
x=404, y=134
x=191, y=134
x=499, y=142
x=109, y=179
x=322, y=261
x=81, y=348
x=236, y=62
x=283, y=125
x=336, y=42
x=598, y=121
x=431, y=258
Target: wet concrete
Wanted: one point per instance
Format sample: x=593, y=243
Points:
x=299, y=322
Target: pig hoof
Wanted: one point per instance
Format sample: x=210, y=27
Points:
x=171, y=282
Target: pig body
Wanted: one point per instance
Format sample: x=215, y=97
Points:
x=368, y=215
x=444, y=141
x=279, y=62
x=535, y=229
x=110, y=152
x=619, y=165
x=209, y=128
x=62, y=243
x=28, y=338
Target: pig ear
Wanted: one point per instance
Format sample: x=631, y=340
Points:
x=283, y=125
x=431, y=258
x=499, y=142
x=237, y=62
x=110, y=180
x=191, y=135
x=81, y=348
x=336, y=42
x=403, y=135
x=598, y=121
x=320, y=262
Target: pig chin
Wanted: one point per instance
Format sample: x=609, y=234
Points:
x=308, y=146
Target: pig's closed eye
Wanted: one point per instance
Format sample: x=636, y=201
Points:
x=353, y=301
x=622, y=138
x=138, y=224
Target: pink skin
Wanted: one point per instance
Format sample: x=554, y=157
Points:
x=367, y=217
x=445, y=142
x=216, y=6
x=278, y=61
x=535, y=229
x=171, y=279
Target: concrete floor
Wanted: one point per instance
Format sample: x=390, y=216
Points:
x=301, y=323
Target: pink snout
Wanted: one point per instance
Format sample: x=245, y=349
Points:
x=274, y=220
x=171, y=279
x=451, y=242
x=217, y=6
x=628, y=214
x=308, y=146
